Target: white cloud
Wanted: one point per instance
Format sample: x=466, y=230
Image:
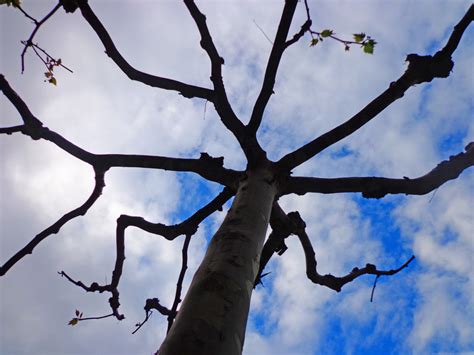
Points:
x=99, y=109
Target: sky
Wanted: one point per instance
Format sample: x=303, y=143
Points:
x=426, y=308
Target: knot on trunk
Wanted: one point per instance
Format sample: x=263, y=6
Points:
x=425, y=68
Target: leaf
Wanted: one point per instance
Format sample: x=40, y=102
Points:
x=80, y=315
x=369, y=46
x=368, y=49
x=53, y=81
x=314, y=42
x=47, y=74
x=359, y=37
x=58, y=62
x=73, y=321
x=77, y=313
x=326, y=33
x=14, y=3
x=346, y=48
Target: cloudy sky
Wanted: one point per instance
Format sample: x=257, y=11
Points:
x=427, y=308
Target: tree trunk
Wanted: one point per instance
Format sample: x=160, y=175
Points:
x=213, y=315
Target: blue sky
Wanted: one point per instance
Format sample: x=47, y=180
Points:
x=427, y=308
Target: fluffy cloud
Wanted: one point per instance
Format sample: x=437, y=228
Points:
x=99, y=109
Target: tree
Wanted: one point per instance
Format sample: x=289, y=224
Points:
x=232, y=260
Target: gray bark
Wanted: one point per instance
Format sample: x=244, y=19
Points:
x=213, y=315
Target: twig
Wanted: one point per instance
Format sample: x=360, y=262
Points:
x=261, y=30
x=10, y=130
x=55, y=227
x=179, y=285
x=373, y=288
x=29, y=41
x=139, y=325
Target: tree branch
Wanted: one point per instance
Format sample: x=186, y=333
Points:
x=458, y=31
x=95, y=287
x=188, y=226
x=179, y=283
x=38, y=24
x=275, y=243
x=186, y=90
x=54, y=228
x=152, y=303
x=206, y=166
x=11, y=130
x=378, y=187
x=294, y=221
x=420, y=69
x=279, y=46
x=248, y=143
x=333, y=282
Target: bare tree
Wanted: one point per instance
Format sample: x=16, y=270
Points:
x=212, y=317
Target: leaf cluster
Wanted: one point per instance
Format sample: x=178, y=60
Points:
x=14, y=3
x=366, y=42
x=76, y=319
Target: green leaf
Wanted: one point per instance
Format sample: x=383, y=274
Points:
x=53, y=81
x=359, y=37
x=368, y=49
x=368, y=46
x=73, y=321
x=326, y=33
x=314, y=42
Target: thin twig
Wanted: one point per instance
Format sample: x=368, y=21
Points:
x=139, y=325
x=373, y=288
x=94, y=318
x=35, y=21
x=179, y=284
x=29, y=41
x=263, y=32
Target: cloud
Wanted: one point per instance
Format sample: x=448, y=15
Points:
x=317, y=88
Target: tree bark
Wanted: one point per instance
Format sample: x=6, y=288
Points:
x=213, y=316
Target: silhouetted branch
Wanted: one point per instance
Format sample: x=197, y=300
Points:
x=95, y=287
x=279, y=46
x=333, y=282
x=206, y=166
x=275, y=243
x=152, y=303
x=35, y=21
x=373, y=288
x=188, y=226
x=95, y=318
x=79, y=318
x=378, y=187
x=29, y=41
x=11, y=130
x=163, y=83
x=54, y=228
x=420, y=69
x=249, y=145
x=458, y=31
x=179, y=284
x=31, y=122
x=140, y=324
x=292, y=223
